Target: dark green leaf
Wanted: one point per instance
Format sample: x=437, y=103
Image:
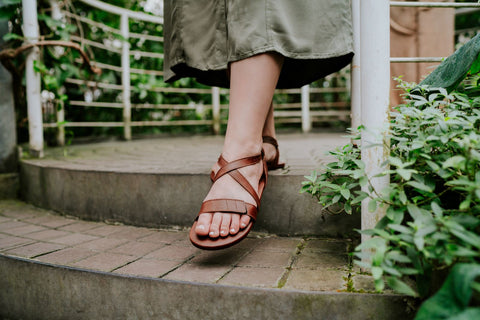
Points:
x=400, y=287
x=453, y=297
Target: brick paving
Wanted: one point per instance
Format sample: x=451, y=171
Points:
x=259, y=261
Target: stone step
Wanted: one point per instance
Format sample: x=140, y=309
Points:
x=162, y=182
x=55, y=267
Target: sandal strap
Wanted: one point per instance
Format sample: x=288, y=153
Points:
x=273, y=141
x=231, y=168
x=270, y=140
x=229, y=205
x=227, y=167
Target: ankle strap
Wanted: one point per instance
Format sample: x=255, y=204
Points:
x=270, y=140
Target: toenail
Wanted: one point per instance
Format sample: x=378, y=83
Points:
x=223, y=232
x=243, y=225
x=232, y=230
x=212, y=233
x=201, y=227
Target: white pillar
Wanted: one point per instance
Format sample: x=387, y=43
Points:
x=306, y=118
x=33, y=84
x=216, y=109
x=375, y=79
x=356, y=108
x=127, y=105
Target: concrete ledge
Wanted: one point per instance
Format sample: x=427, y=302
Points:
x=9, y=186
x=160, y=199
x=34, y=290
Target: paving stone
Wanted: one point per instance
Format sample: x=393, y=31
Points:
x=65, y=256
x=4, y=219
x=102, y=244
x=50, y=221
x=173, y=252
x=4, y=227
x=363, y=282
x=148, y=268
x=74, y=239
x=47, y=234
x=34, y=249
x=321, y=260
x=330, y=245
x=226, y=257
x=11, y=241
x=131, y=233
x=20, y=211
x=315, y=280
x=136, y=248
x=266, y=259
x=257, y=277
x=79, y=226
x=165, y=237
x=279, y=244
x=102, y=231
x=105, y=261
x=199, y=273
x=24, y=230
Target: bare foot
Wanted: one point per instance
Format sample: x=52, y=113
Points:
x=222, y=224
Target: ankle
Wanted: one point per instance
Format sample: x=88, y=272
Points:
x=236, y=150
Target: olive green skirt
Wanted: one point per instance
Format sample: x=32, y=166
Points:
x=203, y=36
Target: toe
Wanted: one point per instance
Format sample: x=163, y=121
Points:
x=225, y=226
x=215, y=225
x=203, y=224
x=235, y=224
x=244, y=221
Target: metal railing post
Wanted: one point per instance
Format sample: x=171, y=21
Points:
x=60, y=123
x=127, y=105
x=375, y=88
x=216, y=109
x=306, y=118
x=356, y=109
x=33, y=83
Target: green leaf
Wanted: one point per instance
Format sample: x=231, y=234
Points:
x=11, y=36
x=406, y=174
x=453, y=297
x=401, y=287
x=372, y=205
x=420, y=186
x=475, y=68
x=437, y=210
x=377, y=272
x=456, y=162
x=454, y=69
x=345, y=193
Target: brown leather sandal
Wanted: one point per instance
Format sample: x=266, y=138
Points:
x=234, y=206
x=273, y=164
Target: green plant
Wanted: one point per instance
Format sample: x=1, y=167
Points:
x=433, y=200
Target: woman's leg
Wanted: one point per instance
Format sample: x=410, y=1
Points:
x=252, y=83
x=269, y=130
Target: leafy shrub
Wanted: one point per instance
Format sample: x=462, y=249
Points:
x=432, y=217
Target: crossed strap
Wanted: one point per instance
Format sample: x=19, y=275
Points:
x=235, y=205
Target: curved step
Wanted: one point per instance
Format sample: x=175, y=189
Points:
x=161, y=182
x=54, y=267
